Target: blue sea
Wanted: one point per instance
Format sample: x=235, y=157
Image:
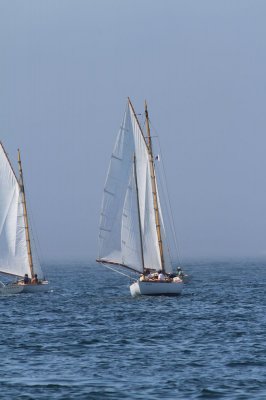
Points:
x=89, y=339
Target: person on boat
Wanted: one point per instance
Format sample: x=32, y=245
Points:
x=161, y=276
x=26, y=279
x=35, y=280
x=148, y=274
x=171, y=275
x=180, y=273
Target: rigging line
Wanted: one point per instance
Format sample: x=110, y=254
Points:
x=37, y=251
x=115, y=270
x=34, y=235
x=173, y=254
x=164, y=197
x=170, y=209
x=162, y=184
x=32, y=228
x=169, y=203
x=143, y=124
x=35, y=245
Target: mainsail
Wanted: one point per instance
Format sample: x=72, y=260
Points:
x=128, y=234
x=14, y=258
x=131, y=246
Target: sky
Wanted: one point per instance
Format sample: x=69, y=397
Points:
x=66, y=70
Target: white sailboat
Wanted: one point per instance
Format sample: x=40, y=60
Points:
x=16, y=257
x=132, y=232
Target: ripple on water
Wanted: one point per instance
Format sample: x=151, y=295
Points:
x=96, y=342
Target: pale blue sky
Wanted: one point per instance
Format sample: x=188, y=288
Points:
x=66, y=69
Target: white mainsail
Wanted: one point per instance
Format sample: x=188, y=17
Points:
x=151, y=250
x=13, y=246
x=131, y=251
x=14, y=258
x=124, y=215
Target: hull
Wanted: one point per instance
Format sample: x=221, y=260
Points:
x=156, y=288
x=10, y=289
x=31, y=288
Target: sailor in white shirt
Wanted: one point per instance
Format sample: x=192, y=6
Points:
x=161, y=276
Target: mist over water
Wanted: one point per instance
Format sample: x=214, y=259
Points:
x=89, y=339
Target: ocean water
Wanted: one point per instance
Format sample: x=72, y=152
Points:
x=89, y=339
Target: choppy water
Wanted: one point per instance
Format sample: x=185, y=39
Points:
x=88, y=339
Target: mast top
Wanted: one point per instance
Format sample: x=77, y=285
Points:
x=146, y=107
x=148, y=130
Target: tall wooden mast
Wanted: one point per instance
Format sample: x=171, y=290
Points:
x=25, y=215
x=154, y=189
x=140, y=232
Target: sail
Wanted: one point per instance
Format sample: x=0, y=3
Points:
x=119, y=237
x=151, y=249
x=115, y=189
x=130, y=230
x=13, y=246
x=166, y=250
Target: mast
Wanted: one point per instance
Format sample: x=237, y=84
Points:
x=154, y=190
x=25, y=215
x=140, y=233
x=136, y=118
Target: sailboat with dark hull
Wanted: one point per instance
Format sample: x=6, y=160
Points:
x=132, y=232
x=16, y=256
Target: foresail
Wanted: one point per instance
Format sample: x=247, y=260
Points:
x=114, y=194
x=13, y=247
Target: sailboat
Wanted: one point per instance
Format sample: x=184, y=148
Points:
x=132, y=232
x=16, y=255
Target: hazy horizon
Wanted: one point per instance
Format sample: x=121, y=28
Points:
x=66, y=70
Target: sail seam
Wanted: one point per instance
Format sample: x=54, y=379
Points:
x=117, y=158
x=108, y=192
x=105, y=229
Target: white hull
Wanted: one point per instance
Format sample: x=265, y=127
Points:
x=156, y=288
x=33, y=288
x=9, y=289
